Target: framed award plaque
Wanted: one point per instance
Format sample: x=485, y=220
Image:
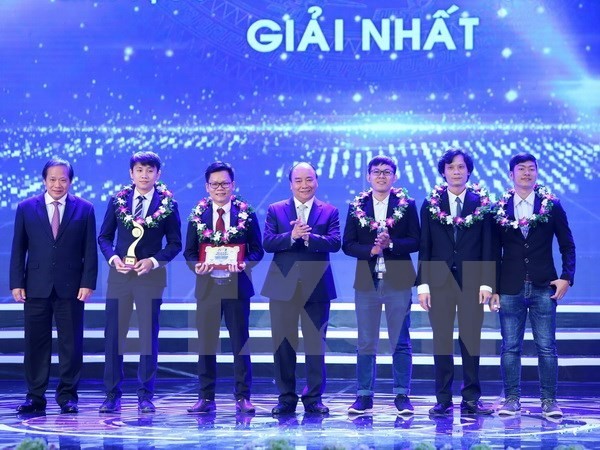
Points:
x=220, y=256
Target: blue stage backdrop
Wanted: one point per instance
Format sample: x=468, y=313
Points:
x=262, y=84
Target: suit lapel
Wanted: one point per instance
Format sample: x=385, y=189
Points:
x=154, y=203
x=42, y=213
x=290, y=210
x=510, y=214
x=537, y=204
x=315, y=212
x=445, y=206
x=67, y=215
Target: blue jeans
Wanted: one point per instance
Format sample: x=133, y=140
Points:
x=542, y=315
x=368, y=318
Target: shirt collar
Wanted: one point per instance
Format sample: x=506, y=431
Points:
x=226, y=207
x=385, y=201
x=452, y=197
x=530, y=199
x=148, y=195
x=308, y=204
x=49, y=200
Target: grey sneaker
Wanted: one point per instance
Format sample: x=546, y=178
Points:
x=511, y=407
x=403, y=405
x=550, y=408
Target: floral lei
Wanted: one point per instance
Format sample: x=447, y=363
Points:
x=125, y=215
x=371, y=222
x=434, y=200
x=216, y=237
x=547, y=197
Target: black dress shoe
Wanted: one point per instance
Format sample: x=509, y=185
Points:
x=112, y=403
x=474, y=407
x=203, y=406
x=441, y=409
x=69, y=407
x=146, y=406
x=283, y=408
x=30, y=407
x=244, y=406
x=316, y=408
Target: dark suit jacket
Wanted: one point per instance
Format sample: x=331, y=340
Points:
x=294, y=263
x=151, y=244
x=253, y=253
x=471, y=255
x=519, y=256
x=358, y=242
x=39, y=263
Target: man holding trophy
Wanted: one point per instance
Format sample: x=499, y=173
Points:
x=140, y=217
x=223, y=243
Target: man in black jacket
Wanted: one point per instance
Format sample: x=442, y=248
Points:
x=527, y=219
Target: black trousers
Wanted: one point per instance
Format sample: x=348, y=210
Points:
x=222, y=303
x=314, y=318
x=68, y=315
x=119, y=307
x=447, y=301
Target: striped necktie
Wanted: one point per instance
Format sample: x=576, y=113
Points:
x=140, y=207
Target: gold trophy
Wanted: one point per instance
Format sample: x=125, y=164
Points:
x=137, y=232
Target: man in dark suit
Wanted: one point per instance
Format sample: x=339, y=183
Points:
x=528, y=218
x=53, y=270
x=223, y=219
x=301, y=232
x=142, y=281
x=382, y=230
x=456, y=274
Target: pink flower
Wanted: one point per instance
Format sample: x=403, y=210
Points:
x=522, y=222
x=374, y=225
x=122, y=209
x=241, y=225
x=434, y=201
x=243, y=206
x=389, y=222
x=402, y=202
x=360, y=214
x=542, y=210
x=207, y=233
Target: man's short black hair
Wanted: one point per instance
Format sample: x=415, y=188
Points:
x=55, y=161
x=449, y=155
x=219, y=166
x=521, y=158
x=296, y=165
x=380, y=160
x=145, y=159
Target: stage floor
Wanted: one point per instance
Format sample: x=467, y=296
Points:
x=172, y=427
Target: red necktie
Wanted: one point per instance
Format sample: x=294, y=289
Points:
x=220, y=221
x=55, y=220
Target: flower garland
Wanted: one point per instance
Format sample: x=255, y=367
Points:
x=125, y=215
x=434, y=201
x=371, y=222
x=547, y=197
x=216, y=237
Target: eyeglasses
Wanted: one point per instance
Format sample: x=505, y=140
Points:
x=385, y=173
x=223, y=184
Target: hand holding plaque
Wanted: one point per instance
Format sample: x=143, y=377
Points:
x=138, y=232
x=221, y=256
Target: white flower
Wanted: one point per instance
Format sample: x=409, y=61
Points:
x=232, y=230
x=128, y=217
x=363, y=222
x=243, y=215
x=449, y=220
x=165, y=201
x=149, y=220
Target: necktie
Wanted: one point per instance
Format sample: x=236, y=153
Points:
x=220, y=222
x=458, y=213
x=55, y=219
x=302, y=216
x=139, y=207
